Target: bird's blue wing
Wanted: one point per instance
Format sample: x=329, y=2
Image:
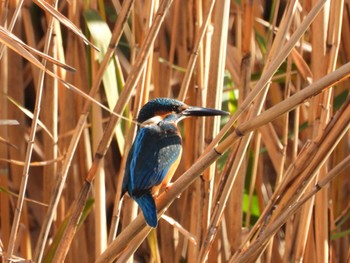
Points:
x=153, y=153
x=127, y=171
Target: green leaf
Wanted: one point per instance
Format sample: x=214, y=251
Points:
x=101, y=35
x=340, y=99
x=153, y=244
x=340, y=234
x=53, y=247
x=254, y=206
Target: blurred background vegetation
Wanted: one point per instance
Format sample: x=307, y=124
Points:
x=74, y=75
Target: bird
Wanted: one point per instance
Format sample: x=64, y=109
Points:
x=156, y=151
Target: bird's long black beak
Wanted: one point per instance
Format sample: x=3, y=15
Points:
x=198, y=111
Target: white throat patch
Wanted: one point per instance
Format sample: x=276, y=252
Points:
x=152, y=121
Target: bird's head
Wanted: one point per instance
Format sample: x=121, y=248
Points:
x=158, y=109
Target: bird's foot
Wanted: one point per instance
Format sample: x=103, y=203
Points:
x=167, y=187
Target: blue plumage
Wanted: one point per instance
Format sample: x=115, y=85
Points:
x=156, y=150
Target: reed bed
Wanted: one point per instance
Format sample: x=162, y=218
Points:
x=269, y=183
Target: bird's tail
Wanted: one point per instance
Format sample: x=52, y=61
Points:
x=148, y=207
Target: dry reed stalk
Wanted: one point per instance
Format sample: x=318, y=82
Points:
x=319, y=151
x=215, y=86
x=324, y=82
x=26, y=51
x=172, y=48
x=163, y=201
x=318, y=31
x=281, y=169
x=29, y=151
x=296, y=188
x=200, y=64
x=234, y=203
x=337, y=76
x=194, y=54
x=132, y=248
x=222, y=200
x=273, y=144
x=256, y=150
x=29, y=32
x=14, y=18
x=141, y=97
x=254, y=247
x=50, y=117
x=250, y=39
x=208, y=158
x=118, y=203
x=197, y=50
x=5, y=219
x=201, y=198
x=106, y=139
x=302, y=66
x=321, y=219
x=63, y=20
x=272, y=68
x=77, y=133
x=99, y=186
x=15, y=69
x=142, y=90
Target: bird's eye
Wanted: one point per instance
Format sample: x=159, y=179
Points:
x=178, y=109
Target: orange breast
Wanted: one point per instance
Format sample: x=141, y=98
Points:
x=168, y=177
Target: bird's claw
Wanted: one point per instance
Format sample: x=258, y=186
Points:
x=167, y=187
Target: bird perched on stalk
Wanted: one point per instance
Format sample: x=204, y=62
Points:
x=156, y=151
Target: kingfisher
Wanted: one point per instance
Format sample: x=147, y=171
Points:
x=156, y=151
